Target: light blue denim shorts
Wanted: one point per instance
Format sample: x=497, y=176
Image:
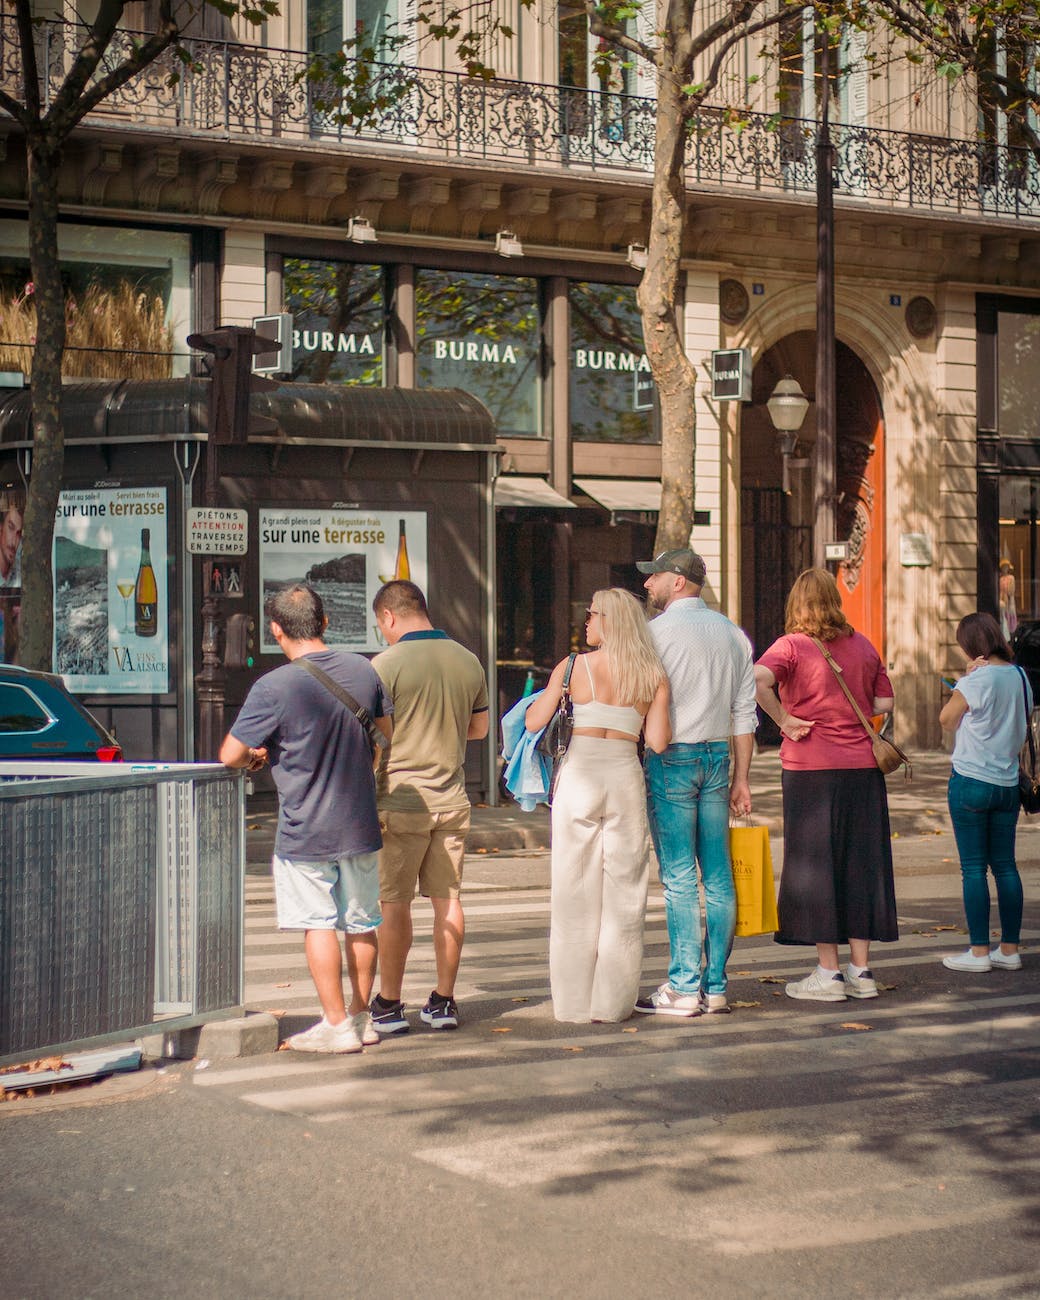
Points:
x=328, y=893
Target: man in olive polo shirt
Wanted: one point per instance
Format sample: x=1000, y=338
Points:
x=440, y=702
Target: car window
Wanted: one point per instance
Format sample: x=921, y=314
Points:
x=20, y=710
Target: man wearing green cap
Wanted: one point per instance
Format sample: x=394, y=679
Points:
x=690, y=791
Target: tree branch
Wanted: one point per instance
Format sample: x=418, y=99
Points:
x=617, y=36
x=711, y=79
x=68, y=110
x=30, y=66
x=17, y=111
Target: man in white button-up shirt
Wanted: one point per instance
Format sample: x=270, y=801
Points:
x=690, y=791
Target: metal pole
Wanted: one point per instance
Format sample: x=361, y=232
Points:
x=490, y=622
x=209, y=685
x=826, y=396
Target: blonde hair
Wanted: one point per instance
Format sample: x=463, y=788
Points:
x=814, y=607
x=635, y=666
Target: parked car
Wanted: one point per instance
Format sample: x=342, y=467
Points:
x=39, y=719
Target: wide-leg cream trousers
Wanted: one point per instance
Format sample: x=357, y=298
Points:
x=600, y=870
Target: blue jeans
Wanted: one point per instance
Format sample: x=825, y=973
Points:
x=688, y=804
x=984, y=818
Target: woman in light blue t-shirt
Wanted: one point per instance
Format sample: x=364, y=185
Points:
x=989, y=711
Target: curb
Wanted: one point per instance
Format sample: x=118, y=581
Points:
x=254, y=1034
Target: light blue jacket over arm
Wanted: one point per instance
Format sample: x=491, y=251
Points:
x=527, y=773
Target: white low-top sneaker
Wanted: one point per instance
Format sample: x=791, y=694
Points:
x=967, y=961
x=665, y=1001
x=1005, y=960
x=324, y=1037
x=860, y=986
x=364, y=1028
x=818, y=987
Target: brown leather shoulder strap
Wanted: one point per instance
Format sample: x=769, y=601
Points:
x=843, y=684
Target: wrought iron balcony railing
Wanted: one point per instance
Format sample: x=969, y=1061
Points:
x=239, y=93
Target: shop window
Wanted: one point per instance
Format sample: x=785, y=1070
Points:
x=611, y=389
x=128, y=301
x=482, y=333
x=1019, y=562
x=339, y=317
x=1018, y=374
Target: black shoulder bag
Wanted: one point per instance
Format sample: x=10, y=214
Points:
x=377, y=742
x=1028, y=775
x=558, y=730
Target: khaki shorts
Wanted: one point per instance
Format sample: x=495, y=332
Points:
x=423, y=847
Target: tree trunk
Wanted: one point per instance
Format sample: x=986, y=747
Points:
x=658, y=302
x=36, y=627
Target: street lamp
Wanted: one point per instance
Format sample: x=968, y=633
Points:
x=787, y=406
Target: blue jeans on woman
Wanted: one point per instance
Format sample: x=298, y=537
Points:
x=688, y=805
x=984, y=818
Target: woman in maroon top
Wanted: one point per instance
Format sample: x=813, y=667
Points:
x=837, y=884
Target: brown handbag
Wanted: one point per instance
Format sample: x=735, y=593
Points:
x=887, y=754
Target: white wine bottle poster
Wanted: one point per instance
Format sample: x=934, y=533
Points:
x=346, y=556
x=111, y=611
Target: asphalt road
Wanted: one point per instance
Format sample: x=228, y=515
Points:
x=878, y=1149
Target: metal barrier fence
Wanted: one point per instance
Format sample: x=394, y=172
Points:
x=121, y=900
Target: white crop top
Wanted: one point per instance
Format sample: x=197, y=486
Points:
x=609, y=717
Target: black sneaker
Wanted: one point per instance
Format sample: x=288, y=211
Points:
x=388, y=1017
x=440, y=1012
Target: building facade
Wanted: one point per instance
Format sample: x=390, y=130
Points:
x=486, y=235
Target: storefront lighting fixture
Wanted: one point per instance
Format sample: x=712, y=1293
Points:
x=787, y=407
x=361, y=231
x=507, y=244
x=636, y=256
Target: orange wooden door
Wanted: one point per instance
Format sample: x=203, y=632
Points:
x=861, y=578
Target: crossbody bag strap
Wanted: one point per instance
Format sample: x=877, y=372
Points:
x=1029, y=722
x=345, y=698
x=843, y=684
x=566, y=687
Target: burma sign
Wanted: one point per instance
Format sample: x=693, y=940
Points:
x=214, y=530
x=731, y=375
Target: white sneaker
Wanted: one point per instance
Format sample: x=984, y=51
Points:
x=324, y=1037
x=364, y=1028
x=817, y=987
x=666, y=1002
x=967, y=961
x=1005, y=960
x=860, y=986
x=714, y=1004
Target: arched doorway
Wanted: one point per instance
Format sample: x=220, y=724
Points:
x=777, y=528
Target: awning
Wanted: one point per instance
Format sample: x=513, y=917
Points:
x=147, y=410
x=623, y=495
x=528, y=493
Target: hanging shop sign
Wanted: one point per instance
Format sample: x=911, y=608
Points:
x=731, y=375
x=214, y=530
x=111, y=612
x=346, y=556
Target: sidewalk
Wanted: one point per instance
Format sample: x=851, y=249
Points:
x=917, y=807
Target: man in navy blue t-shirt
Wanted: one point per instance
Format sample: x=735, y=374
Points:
x=326, y=870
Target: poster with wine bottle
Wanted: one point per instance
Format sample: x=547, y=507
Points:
x=110, y=595
x=345, y=555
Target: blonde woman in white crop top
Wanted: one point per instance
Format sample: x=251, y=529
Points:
x=600, y=834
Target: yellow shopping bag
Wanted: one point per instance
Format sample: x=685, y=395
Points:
x=753, y=878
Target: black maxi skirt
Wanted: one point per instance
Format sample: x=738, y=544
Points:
x=837, y=880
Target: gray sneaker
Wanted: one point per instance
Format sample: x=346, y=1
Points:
x=860, y=986
x=818, y=987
